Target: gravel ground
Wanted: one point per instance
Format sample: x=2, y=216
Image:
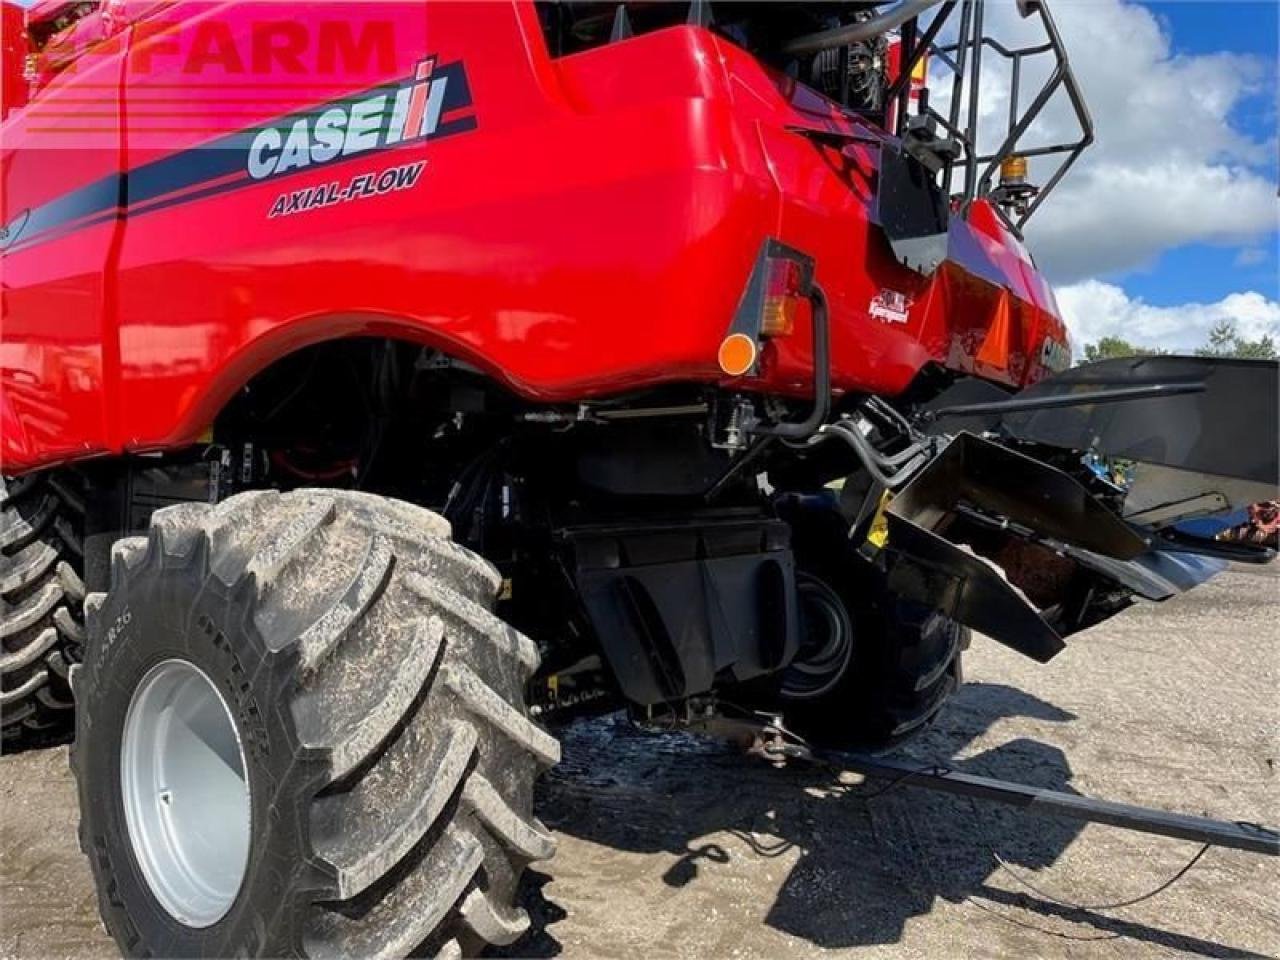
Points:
x=672, y=846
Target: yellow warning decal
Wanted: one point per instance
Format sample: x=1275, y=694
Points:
x=878, y=536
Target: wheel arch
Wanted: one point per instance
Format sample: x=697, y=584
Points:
x=281, y=342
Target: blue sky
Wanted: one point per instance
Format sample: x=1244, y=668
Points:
x=1202, y=25
x=1207, y=272
x=1203, y=273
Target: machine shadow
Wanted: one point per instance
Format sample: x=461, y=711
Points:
x=871, y=856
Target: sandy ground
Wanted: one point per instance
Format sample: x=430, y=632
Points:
x=671, y=846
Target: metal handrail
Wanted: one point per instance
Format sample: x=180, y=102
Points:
x=964, y=58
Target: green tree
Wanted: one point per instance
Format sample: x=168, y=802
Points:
x=1225, y=341
x=1109, y=348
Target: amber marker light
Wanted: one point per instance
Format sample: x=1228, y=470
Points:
x=737, y=354
x=1013, y=169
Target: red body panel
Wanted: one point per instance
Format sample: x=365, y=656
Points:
x=13, y=53
x=586, y=228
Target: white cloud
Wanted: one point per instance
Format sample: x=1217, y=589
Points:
x=1093, y=309
x=1251, y=257
x=1168, y=168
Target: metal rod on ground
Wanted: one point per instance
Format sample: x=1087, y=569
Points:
x=1070, y=806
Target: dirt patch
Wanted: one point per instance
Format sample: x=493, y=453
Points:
x=673, y=846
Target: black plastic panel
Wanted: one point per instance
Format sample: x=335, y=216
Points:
x=680, y=609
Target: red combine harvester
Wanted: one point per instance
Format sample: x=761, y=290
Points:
x=384, y=384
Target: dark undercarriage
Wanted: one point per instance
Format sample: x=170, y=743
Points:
x=653, y=545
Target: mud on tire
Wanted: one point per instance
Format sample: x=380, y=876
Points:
x=41, y=608
x=379, y=705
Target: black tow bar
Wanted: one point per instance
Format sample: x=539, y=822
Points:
x=1070, y=806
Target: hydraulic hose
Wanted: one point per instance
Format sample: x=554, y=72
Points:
x=888, y=461
x=855, y=32
x=877, y=465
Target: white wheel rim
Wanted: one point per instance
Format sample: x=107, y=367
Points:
x=186, y=792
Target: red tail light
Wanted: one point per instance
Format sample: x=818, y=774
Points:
x=784, y=292
x=779, y=283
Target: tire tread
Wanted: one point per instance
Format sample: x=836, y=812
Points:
x=407, y=689
x=41, y=599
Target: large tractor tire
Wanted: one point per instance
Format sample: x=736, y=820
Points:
x=301, y=731
x=874, y=669
x=41, y=609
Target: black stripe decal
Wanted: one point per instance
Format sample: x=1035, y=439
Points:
x=133, y=194
x=92, y=198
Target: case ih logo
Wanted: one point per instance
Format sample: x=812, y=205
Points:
x=411, y=111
